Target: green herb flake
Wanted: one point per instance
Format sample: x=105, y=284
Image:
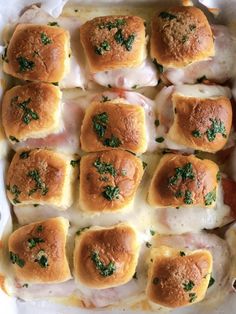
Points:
x=78, y=232
x=157, y=122
x=217, y=127
x=74, y=163
x=159, y=139
x=111, y=192
x=110, y=25
x=188, y=197
x=112, y=142
x=152, y=232
x=148, y=245
x=218, y=176
x=196, y=133
x=34, y=241
x=104, y=270
x=39, y=228
x=104, y=167
x=160, y=67
x=24, y=155
x=211, y=282
x=102, y=48
x=53, y=24
x=16, y=192
x=100, y=124
x=167, y=16
x=210, y=197
x=15, y=259
x=156, y=281
x=39, y=184
x=184, y=173
x=119, y=38
x=25, y=64
x=45, y=39
x=42, y=259
x=181, y=253
x=13, y=139
x=28, y=113
x=188, y=285
x=192, y=297
x=179, y=194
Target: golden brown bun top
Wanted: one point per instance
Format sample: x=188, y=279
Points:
x=181, y=35
x=113, y=42
x=176, y=280
x=38, y=53
x=104, y=173
x=111, y=125
x=41, y=99
x=184, y=181
x=37, y=176
x=115, y=246
x=44, y=238
x=201, y=123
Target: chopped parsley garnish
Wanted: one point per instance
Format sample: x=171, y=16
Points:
x=210, y=197
x=160, y=67
x=179, y=194
x=100, y=124
x=217, y=127
x=78, y=232
x=148, y=245
x=42, y=259
x=152, y=232
x=13, y=139
x=113, y=141
x=111, y=192
x=196, y=133
x=184, y=173
x=102, y=48
x=110, y=25
x=15, y=259
x=211, y=282
x=45, y=39
x=34, y=241
x=157, y=122
x=105, y=98
x=39, y=184
x=25, y=64
x=218, y=176
x=188, y=286
x=181, y=253
x=104, y=167
x=24, y=155
x=201, y=79
x=167, y=16
x=16, y=192
x=159, y=139
x=74, y=163
x=119, y=38
x=39, y=228
x=144, y=165
x=188, y=197
x=156, y=281
x=192, y=297
x=53, y=24
x=28, y=114
x=104, y=270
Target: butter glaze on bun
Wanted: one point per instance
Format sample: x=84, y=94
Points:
x=109, y=180
x=180, y=36
x=114, y=42
x=106, y=257
x=31, y=111
x=41, y=176
x=38, y=53
x=38, y=251
x=177, y=278
x=184, y=181
x=112, y=125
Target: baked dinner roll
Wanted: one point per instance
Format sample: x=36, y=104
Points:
x=180, y=36
x=177, y=278
x=114, y=124
x=106, y=257
x=41, y=176
x=38, y=53
x=109, y=180
x=38, y=251
x=184, y=181
x=201, y=123
x=31, y=111
x=113, y=42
